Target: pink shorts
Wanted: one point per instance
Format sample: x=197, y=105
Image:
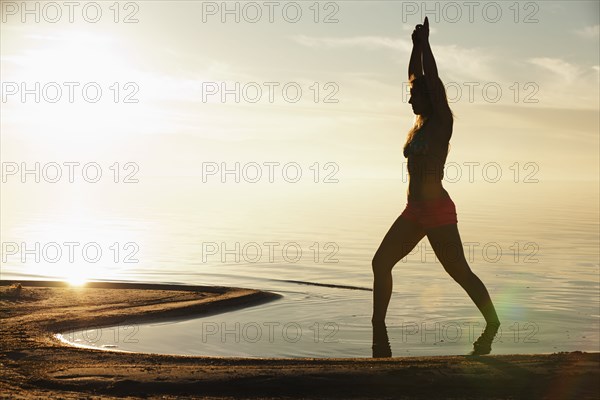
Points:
x=431, y=213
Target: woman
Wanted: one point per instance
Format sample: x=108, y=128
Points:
x=430, y=210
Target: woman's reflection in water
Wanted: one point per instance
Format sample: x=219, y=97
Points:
x=381, y=342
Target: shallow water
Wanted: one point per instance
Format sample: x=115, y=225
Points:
x=535, y=246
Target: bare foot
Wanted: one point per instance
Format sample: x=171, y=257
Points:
x=483, y=344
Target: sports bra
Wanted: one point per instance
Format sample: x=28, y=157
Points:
x=419, y=145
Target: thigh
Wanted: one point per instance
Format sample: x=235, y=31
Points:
x=447, y=245
x=401, y=238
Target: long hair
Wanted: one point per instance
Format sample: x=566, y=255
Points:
x=418, y=83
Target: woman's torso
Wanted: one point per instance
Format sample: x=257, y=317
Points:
x=426, y=155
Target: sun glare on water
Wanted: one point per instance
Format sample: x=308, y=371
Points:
x=76, y=280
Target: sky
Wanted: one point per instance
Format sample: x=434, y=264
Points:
x=317, y=82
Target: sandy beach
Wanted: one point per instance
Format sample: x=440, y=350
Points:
x=35, y=364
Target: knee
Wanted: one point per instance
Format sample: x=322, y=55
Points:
x=380, y=266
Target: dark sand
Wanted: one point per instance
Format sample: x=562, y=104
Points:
x=34, y=364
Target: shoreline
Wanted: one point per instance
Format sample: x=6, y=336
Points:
x=35, y=364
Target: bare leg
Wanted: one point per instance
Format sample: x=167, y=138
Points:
x=448, y=248
x=401, y=238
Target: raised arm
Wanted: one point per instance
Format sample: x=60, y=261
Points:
x=434, y=83
x=415, y=66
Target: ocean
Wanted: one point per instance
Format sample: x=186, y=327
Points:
x=534, y=244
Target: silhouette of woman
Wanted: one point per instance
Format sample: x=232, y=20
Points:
x=430, y=210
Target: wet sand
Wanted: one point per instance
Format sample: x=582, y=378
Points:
x=35, y=364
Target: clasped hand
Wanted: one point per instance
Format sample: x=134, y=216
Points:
x=421, y=33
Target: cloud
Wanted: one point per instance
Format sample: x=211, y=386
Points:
x=588, y=32
x=73, y=36
x=368, y=42
x=465, y=64
x=566, y=83
x=455, y=62
x=566, y=71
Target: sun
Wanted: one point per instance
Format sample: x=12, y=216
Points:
x=83, y=85
x=76, y=280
